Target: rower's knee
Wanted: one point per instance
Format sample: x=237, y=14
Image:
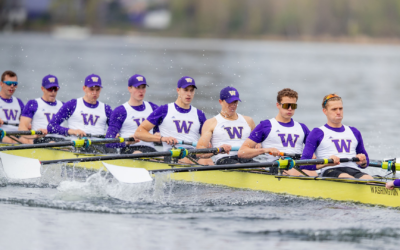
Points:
x=366, y=177
x=344, y=175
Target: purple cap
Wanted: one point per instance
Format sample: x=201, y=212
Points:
x=50, y=81
x=186, y=81
x=93, y=80
x=137, y=80
x=229, y=94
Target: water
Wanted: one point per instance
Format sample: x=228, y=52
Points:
x=73, y=213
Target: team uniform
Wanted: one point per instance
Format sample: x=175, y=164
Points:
x=11, y=110
x=91, y=118
x=344, y=142
x=233, y=133
x=286, y=137
x=41, y=113
x=125, y=119
x=174, y=121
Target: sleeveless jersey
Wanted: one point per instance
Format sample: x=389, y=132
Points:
x=44, y=114
x=10, y=112
x=180, y=126
x=90, y=120
x=341, y=144
x=229, y=132
x=285, y=139
x=133, y=120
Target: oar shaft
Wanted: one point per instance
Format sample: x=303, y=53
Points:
x=11, y=124
x=76, y=143
x=28, y=132
x=173, y=153
x=253, y=165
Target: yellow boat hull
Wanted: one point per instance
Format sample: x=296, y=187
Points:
x=341, y=190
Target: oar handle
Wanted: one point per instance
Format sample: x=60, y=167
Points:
x=95, y=136
x=27, y=132
x=11, y=124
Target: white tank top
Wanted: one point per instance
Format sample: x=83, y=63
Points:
x=341, y=144
x=44, y=114
x=229, y=132
x=10, y=112
x=182, y=126
x=285, y=139
x=90, y=120
x=133, y=120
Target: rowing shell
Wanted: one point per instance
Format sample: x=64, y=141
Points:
x=326, y=188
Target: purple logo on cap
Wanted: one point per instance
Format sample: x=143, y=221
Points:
x=186, y=81
x=93, y=80
x=229, y=94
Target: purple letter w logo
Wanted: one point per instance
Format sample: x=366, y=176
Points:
x=285, y=142
x=342, y=145
x=11, y=115
x=235, y=132
x=86, y=120
x=184, y=126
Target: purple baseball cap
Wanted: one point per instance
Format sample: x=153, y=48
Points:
x=229, y=94
x=137, y=80
x=50, y=81
x=186, y=81
x=93, y=80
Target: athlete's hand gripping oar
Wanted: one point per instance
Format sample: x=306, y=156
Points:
x=137, y=175
x=17, y=167
x=76, y=143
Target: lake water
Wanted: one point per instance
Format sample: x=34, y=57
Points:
x=95, y=214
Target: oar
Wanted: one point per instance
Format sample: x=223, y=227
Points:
x=137, y=175
x=17, y=167
x=76, y=143
x=11, y=124
x=387, y=165
x=194, y=144
x=33, y=132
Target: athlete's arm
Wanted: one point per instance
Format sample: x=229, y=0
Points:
x=62, y=115
x=250, y=122
x=258, y=135
x=313, y=141
x=206, y=135
x=25, y=122
x=117, y=118
x=360, y=149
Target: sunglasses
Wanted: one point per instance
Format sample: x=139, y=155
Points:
x=9, y=83
x=288, y=105
x=55, y=89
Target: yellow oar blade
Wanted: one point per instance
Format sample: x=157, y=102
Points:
x=128, y=175
x=17, y=167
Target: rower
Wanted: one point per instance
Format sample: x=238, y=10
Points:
x=335, y=140
x=279, y=134
x=228, y=129
x=84, y=115
x=177, y=121
x=38, y=112
x=125, y=119
x=11, y=106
